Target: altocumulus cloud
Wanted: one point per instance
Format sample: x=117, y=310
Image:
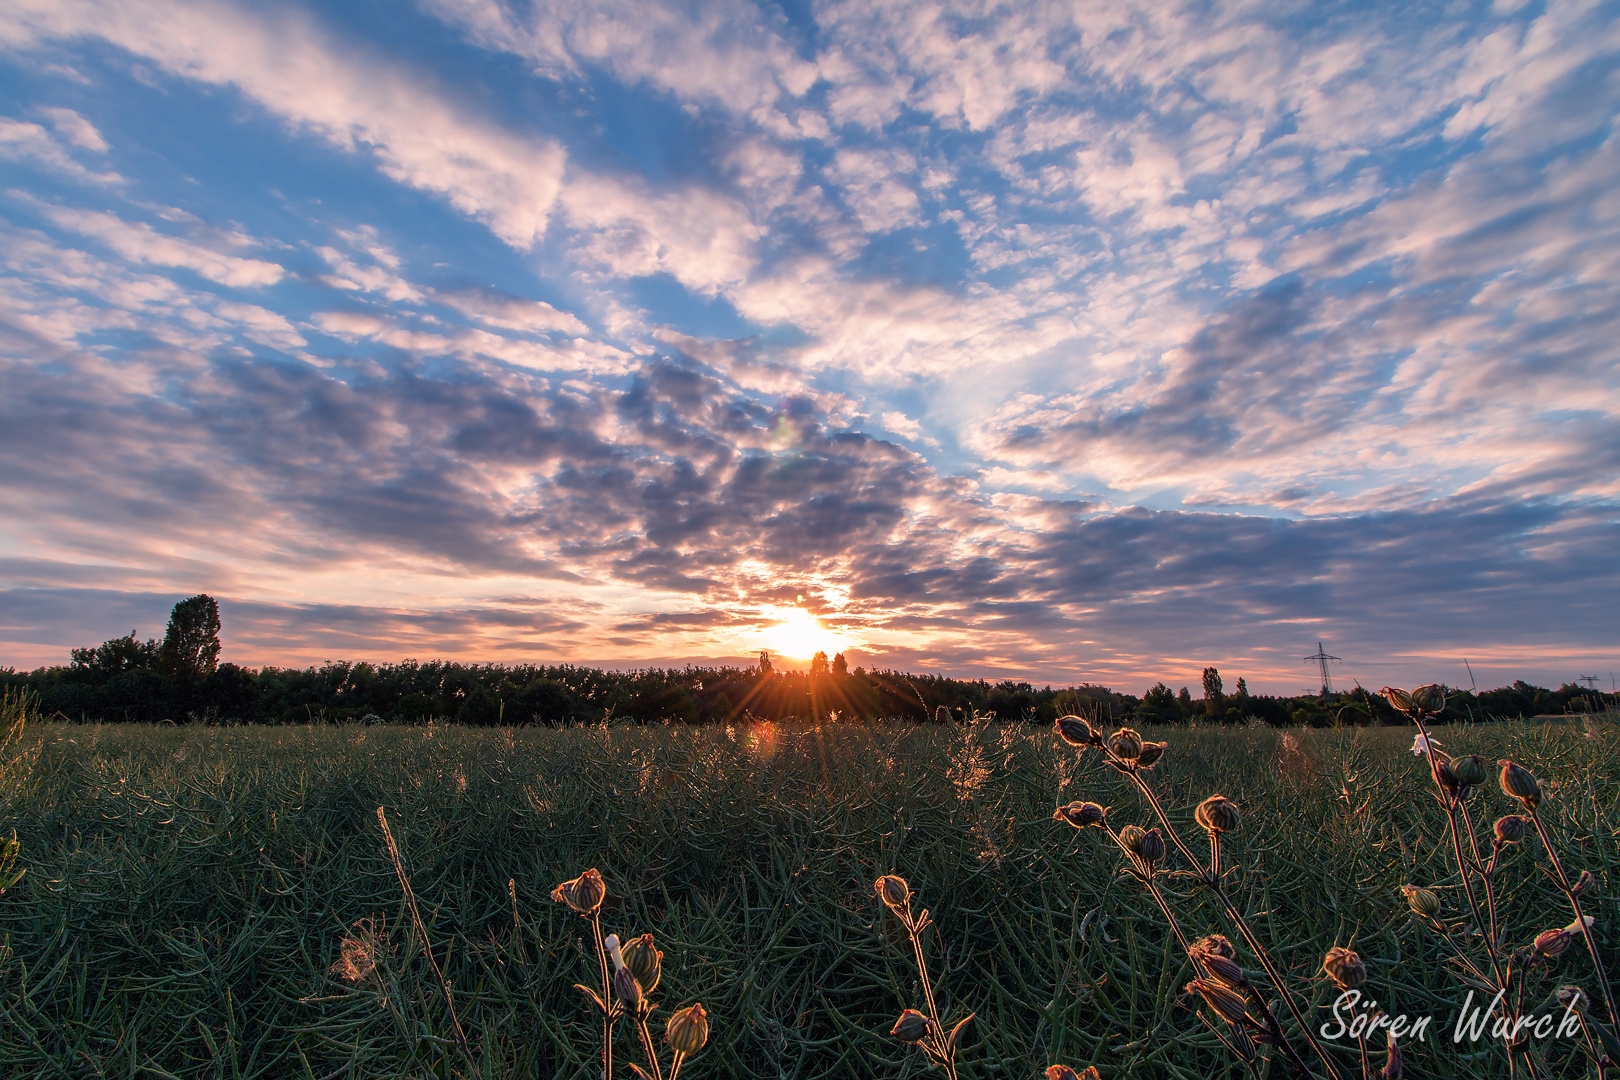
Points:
x=1014, y=339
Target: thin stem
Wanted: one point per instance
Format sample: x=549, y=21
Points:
x=1575, y=904
x=647, y=1042
x=946, y=1056
x=675, y=1065
x=607, y=998
x=1484, y=873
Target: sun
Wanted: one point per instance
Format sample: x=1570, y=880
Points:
x=800, y=635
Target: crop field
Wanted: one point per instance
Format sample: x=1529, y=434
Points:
x=220, y=901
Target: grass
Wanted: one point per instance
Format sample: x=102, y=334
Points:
x=188, y=891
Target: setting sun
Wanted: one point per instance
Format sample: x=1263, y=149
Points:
x=801, y=635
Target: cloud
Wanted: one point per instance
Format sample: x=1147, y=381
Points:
x=138, y=242
x=24, y=141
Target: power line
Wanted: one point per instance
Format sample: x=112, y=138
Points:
x=1321, y=657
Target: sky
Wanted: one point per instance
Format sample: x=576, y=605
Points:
x=1054, y=341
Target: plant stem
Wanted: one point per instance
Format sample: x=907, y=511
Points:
x=607, y=998
x=1575, y=904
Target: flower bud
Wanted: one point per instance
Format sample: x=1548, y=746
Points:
x=645, y=962
x=1075, y=731
x=1572, y=998
x=1446, y=772
x=1520, y=783
x=1399, y=699
x=1225, y=1002
x=688, y=1030
x=893, y=890
x=1393, y=1068
x=1222, y=968
x=1471, y=769
x=1151, y=753
x=1422, y=901
x=1510, y=829
x=1217, y=814
x=1553, y=943
x=1150, y=849
x=1130, y=838
x=627, y=989
x=1125, y=744
x=584, y=894
x=1345, y=967
x=1584, y=884
x=912, y=1027
x=1081, y=814
x=1215, y=945
x=1429, y=699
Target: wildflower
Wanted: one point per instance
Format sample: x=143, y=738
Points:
x=1520, y=783
x=1345, y=967
x=912, y=1027
x=1150, y=848
x=1075, y=731
x=1125, y=744
x=1447, y=774
x=1472, y=770
x=644, y=961
x=1429, y=699
x=1215, y=945
x=688, y=1030
x=1151, y=753
x=1218, y=966
x=1552, y=943
x=627, y=989
x=1399, y=699
x=1510, y=828
x=1081, y=814
x=1217, y=814
x=893, y=890
x=1225, y=1002
x=1422, y=744
x=1581, y=925
x=1422, y=901
x=584, y=894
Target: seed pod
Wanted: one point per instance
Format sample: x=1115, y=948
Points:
x=688, y=1030
x=627, y=989
x=1471, y=770
x=1081, y=814
x=1150, y=849
x=1125, y=744
x=1429, y=699
x=912, y=1027
x=1151, y=753
x=1422, y=901
x=1553, y=943
x=1075, y=731
x=1222, y=968
x=645, y=962
x=893, y=890
x=1510, y=829
x=1446, y=772
x=1130, y=838
x=584, y=894
x=1520, y=783
x=1584, y=884
x=1063, y=1072
x=1225, y=1002
x=1345, y=967
x=1572, y=998
x=1217, y=814
x=1215, y=945
x=1399, y=699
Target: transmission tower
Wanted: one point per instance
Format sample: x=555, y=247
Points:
x=1321, y=657
x=1589, y=680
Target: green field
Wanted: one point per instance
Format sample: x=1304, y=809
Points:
x=189, y=889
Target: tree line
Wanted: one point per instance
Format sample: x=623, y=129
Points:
x=180, y=679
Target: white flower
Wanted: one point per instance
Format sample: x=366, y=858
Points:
x=1576, y=927
x=1422, y=743
x=611, y=943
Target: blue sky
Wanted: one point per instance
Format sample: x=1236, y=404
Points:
x=1071, y=342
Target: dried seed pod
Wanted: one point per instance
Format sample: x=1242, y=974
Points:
x=1125, y=744
x=1446, y=772
x=1081, y=814
x=1215, y=945
x=1430, y=699
x=1422, y=901
x=1225, y=1002
x=644, y=961
x=1510, y=828
x=688, y=1030
x=584, y=894
x=1222, y=968
x=1584, y=884
x=1520, y=783
x=1075, y=731
x=1399, y=699
x=893, y=890
x=1151, y=753
x=627, y=989
x=1553, y=943
x=1217, y=814
x=912, y=1027
x=1471, y=770
x=1345, y=967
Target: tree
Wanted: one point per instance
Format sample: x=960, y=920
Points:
x=818, y=665
x=765, y=662
x=840, y=666
x=115, y=656
x=190, y=648
x=1184, y=699
x=1214, y=699
x=1243, y=687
